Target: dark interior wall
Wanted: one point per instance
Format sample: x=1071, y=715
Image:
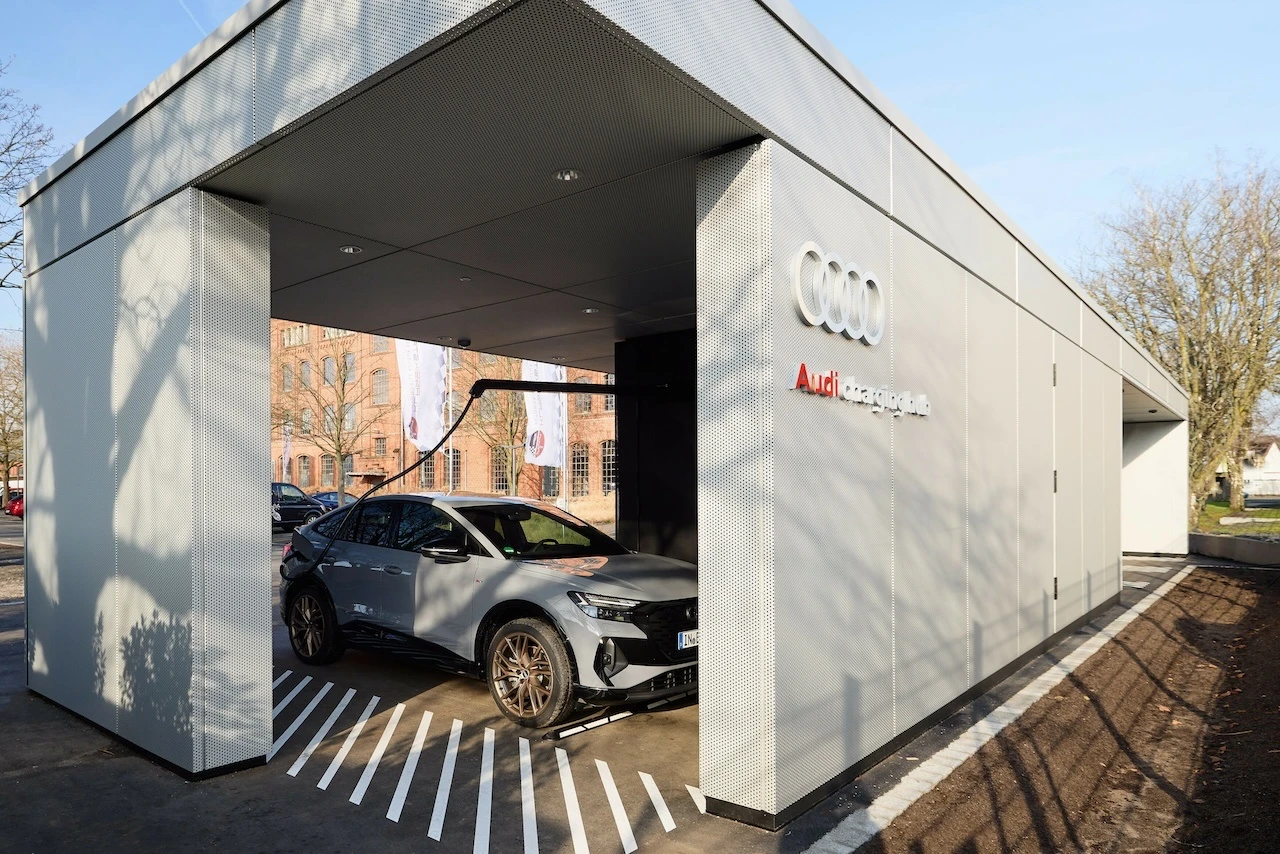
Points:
x=658, y=446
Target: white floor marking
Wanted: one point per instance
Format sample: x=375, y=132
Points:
x=371, y=767
x=526, y=800
x=297, y=689
x=446, y=781
x=293, y=727
x=1136, y=584
x=862, y=826
x=659, y=803
x=699, y=799
x=280, y=679
x=625, y=833
x=484, y=801
x=321, y=734
x=579, y=832
x=346, y=745
x=410, y=765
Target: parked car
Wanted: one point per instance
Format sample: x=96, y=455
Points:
x=545, y=608
x=16, y=507
x=330, y=499
x=291, y=507
x=15, y=496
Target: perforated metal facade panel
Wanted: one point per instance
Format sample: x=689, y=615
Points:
x=1045, y=296
x=1112, y=469
x=735, y=479
x=1099, y=339
x=1035, y=481
x=1068, y=461
x=1100, y=384
x=1135, y=366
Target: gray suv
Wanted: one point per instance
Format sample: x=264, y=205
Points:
x=545, y=608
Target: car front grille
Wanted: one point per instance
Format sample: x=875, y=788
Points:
x=663, y=621
x=685, y=677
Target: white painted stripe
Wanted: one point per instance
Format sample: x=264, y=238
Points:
x=615, y=804
x=371, y=767
x=526, y=800
x=578, y=832
x=346, y=745
x=659, y=803
x=293, y=727
x=865, y=824
x=321, y=734
x=698, y=799
x=410, y=765
x=573, y=731
x=446, y=782
x=280, y=679
x=484, y=801
x=297, y=689
x=1137, y=584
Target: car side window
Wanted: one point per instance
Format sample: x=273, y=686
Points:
x=328, y=527
x=373, y=525
x=292, y=495
x=424, y=526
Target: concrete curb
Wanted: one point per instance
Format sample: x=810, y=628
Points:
x=1239, y=549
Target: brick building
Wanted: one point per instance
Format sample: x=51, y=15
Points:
x=337, y=389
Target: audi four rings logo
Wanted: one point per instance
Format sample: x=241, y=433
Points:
x=838, y=296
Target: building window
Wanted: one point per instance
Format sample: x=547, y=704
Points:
x=330, y=423
x=454, y=459
x=331, y=332
x=456, y=403
x=330, y=370
x=348, y=466
x=609, y=465
x=455, y=357
x=427, y=472
x=499, y=470
x=381, y=343
x=487, y=358
x=581, y=472
x=380, y=446
x=349, y=361
x=294, y=336
x=306, y=422
x=304, y=471
x=610, y=403
x=286, y=378
x=304, y=374
x=381, y=388
x=550, y=482
x=489, y=406
x=582, y=402
x=349, y=418
x=326, y=470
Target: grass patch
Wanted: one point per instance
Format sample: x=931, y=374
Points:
x=1210, y=520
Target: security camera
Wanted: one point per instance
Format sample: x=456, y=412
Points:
x=464, y=342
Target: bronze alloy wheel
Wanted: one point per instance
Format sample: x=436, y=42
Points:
x=307, y=625
x=522, y=676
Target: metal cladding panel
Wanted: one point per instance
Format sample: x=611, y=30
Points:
x=310, y=51
x=200, y=125
x=231, y=411
x=785, y=91
x=1113, y=472
x=1044, y=295
x=832, y=499
x=151, y=401
x=1035, y=481
x=992, y=498
x=929, y=202
x=1135, y=366
x=928, y=341
x=1068, y=435
x=1099, y=339
x=1093, y=414
x=70, y=563
x=1159, y=385
x=735, y=478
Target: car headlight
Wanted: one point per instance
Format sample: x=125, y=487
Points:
x=604, y=607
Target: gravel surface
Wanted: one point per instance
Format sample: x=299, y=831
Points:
x=11, y=582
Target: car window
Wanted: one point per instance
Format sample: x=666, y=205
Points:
x=373, y=525
x=328, y=526
x=521, y=530
x=423, y=526
x=292, y=494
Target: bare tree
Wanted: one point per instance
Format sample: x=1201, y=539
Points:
x=499, y=418
x=24, y=149
x=319, y=393
x=11, y=411
x=1193, y=272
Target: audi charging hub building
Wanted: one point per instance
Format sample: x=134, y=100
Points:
x=904, y=448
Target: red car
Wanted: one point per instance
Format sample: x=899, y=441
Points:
x=15, y=507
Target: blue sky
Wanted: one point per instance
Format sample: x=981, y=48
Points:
x=1055, y=109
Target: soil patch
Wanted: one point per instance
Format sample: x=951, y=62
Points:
x=12, y=583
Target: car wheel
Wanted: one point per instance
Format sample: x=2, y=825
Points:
x=529, y=674
x=313, y=627
x=309, y=518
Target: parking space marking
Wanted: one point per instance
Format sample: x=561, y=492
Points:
x=280, y=679
x=371, y=767
x=410, y=766
x=659, y=803
x=321, y=735
x=347, y=745
x=293, y=727
x=297, y=689
x=446, y=781
x=625, y=833
x=484, y=801
x=526, y=800
x=699, y=800
x=578, y=831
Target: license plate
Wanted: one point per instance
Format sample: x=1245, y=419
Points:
x=687, y=640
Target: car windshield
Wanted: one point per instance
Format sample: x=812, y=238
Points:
x=534, y=533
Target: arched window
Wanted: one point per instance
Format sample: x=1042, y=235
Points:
x=330, y=423
x=304, y=374
x=304, y=471
x=349, y=418
x=381, y=388
x=286, y=377
x=581, y=471
x=330, y=370
x=427, y=472
x=306, y=422
x=348, y=466
x=609, y=465
x=499, y=471
x=349, y=362
x=327, y=470
x=582, y=402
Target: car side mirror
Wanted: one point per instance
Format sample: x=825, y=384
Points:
x=446, y=553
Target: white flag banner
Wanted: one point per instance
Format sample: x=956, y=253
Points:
x=422, y=392
x=546, y=415
x=287, y=456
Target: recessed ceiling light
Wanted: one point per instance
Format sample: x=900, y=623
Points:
x=557, y=358
x=591, y=311
x=567, y=175
x=444, y=338
x=464, y=278
x=350, y=250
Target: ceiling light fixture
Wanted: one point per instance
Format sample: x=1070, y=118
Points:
x=444, y=338
x=591, y=311
x=567, y=175
x=1152, y=411
x=350, y=250
x=464, y=278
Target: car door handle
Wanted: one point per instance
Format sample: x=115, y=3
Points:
x=390, y=570
x=342, y=563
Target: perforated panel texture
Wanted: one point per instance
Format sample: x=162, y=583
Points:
x=1069, y=499
x=1045, y=296
x=1035, y=481
x=735, y=479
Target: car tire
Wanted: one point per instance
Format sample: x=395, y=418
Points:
x=309, y=518
x=313, y=626
x=529, y=674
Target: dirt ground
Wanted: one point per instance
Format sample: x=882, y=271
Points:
x=1165, y=740
x=11, y=582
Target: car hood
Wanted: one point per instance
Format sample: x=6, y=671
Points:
x=650, y=577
